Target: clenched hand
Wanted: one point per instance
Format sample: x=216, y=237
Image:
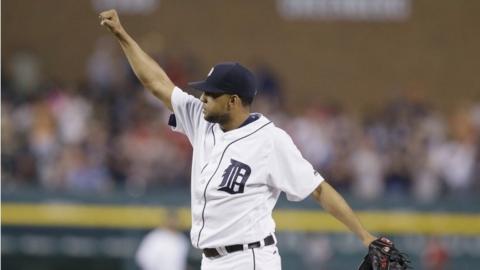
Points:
x=111, y=21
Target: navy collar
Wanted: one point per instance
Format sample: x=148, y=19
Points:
x=251, y=118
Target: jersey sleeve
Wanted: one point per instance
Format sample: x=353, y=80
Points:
x=187, y=113
x=290, y=172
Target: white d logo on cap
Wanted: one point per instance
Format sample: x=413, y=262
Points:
x=210, y=72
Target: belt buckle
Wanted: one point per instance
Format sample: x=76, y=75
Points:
x=222, y=251
x=262, y=242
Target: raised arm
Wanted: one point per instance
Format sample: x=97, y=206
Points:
x=334, y=204
x=150, y=74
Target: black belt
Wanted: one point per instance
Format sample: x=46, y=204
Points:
x=213, y=252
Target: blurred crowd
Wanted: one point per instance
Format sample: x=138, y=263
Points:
x=108, y=134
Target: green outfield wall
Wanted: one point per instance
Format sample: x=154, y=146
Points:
x=75, y=231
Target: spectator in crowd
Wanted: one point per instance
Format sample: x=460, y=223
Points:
x=67, y=138
x=367, y=169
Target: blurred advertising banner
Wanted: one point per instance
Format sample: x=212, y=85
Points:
x=127, y=6
x=347, y=10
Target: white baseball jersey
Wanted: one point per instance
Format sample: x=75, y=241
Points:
x=238, y=175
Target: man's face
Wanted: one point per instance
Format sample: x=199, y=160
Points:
x=215, y=107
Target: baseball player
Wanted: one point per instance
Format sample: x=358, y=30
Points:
x=241, y=162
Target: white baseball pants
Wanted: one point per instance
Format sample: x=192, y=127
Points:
x=262, y=258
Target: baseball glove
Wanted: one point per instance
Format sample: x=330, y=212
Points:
x=382, y=255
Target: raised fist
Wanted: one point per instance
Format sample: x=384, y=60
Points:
x=110, y=20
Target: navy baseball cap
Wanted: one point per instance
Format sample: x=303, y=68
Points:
x=229, y=78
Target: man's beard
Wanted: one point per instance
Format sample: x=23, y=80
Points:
x=218, y=118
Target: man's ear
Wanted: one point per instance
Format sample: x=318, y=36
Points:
x=230, y=102
x=233, y=101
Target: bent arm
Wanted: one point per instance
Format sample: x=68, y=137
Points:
x=333, y=203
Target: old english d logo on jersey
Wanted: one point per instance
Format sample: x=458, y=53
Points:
x=235, y=177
